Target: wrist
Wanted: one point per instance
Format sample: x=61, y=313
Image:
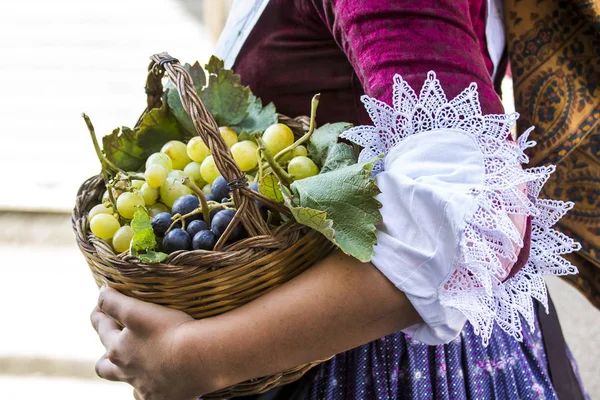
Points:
x=200, y=348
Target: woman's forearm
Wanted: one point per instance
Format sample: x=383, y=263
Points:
x=334, y=306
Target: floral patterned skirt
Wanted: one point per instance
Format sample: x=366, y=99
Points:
x=398, y=367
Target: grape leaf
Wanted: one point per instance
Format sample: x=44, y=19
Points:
x=174, y=102
x=224, y=96
x=157, y=128
x=197, y=74
x=143, y=239
x=152, y=257
x=346, y=196
x=340, y=155
x=122, y=149
x=314, y=219
x=141, y=221
x=259, y=118
x=129, y=149
x=269, y=187
x=323, y=138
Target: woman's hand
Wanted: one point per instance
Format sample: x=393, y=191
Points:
x=145, y=347
x=337, y=304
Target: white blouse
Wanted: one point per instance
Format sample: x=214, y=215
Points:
x=452, y=188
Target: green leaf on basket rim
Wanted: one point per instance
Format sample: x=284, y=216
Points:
x=345, y=213
x=340, y=155
x=258, y=120
x=128, y=149
x=122, y=149
x=157, y=128
x=152, y=257
x=141, y=221
x=173, y=100
x=323, y=138
x=224, y=96
x=268, y=185
x=144, y=241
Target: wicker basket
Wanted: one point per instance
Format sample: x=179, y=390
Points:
x=207, y=283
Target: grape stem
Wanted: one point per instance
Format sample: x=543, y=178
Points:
x=181, y=218
x=204, y=205
x=311, y=128
x=109, y=187
x=176, y=218
x=106, y=163
x=283, y=176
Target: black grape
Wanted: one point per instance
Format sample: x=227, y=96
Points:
x=177, y=239
x=204, y=240
x=185, y=204
x=219, y=188
x=195, y=227
x=220, y=222
x=161, y=222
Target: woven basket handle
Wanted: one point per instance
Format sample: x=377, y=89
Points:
x=247, y=212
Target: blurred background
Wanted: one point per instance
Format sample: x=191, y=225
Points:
x=61, y=58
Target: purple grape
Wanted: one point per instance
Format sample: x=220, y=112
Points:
x=195, y=227
x=204, y=240
x=221, y=221
x=185, y=204
x=161, y=222
x=176, y=239
x=219, y=188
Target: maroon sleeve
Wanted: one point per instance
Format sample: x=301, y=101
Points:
x=382, y=38
x=386, y=37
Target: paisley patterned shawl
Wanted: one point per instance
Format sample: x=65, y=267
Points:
x=554, y=51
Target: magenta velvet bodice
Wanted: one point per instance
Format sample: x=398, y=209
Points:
x=346, y=48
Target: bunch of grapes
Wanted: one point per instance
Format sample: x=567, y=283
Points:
x=179, y=179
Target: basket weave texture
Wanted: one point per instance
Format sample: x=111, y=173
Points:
x=207, y=283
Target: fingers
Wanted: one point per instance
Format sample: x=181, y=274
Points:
x=108, y=330
x=105, y=369
x=126, y=310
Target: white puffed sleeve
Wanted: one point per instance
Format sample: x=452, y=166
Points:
x=452, y=186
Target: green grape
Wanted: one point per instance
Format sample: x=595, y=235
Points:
x=277, y=137
x=177, y=151
x=228, y=135
x=209, y=169
x=244, y=154
x=122, y=238
x=207, y=189
x=160, y=159
x=137, y=184
x=157, y=208
x=197, y=150
x=299, y=151
x=99, y=209
x=155, y=175
x=104, y=226
x=302, y=167
x=192, y=170
x=128, y=203
x=171, y=190
x=149, y=194
x=177, y=174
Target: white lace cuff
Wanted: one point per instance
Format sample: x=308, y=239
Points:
x=449, y=183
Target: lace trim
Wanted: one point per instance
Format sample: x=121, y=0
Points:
x=477, y=285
